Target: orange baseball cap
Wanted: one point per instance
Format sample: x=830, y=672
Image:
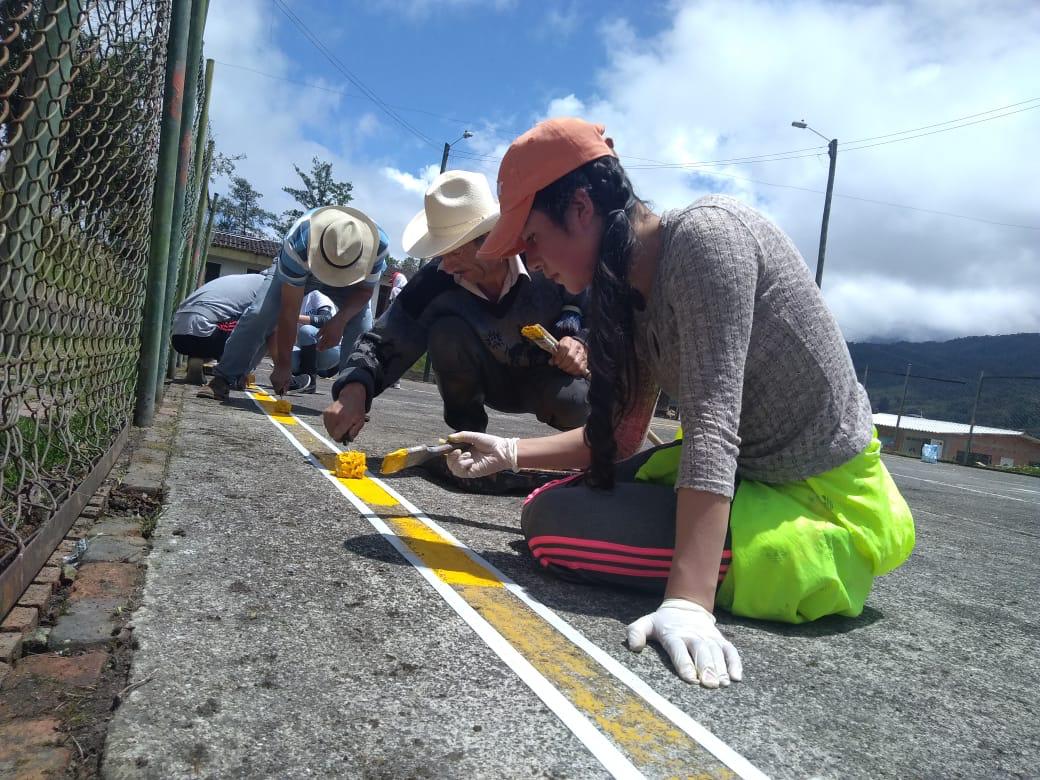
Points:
x=535, y=160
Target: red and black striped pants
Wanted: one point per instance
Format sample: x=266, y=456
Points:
x=624, y=536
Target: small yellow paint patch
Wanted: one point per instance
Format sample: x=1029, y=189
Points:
x=350, y=465
x=449, y=561
x=270, y=406
x=281, y=406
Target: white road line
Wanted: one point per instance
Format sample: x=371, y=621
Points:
x=699, y=733
x=960, y=487
x=602, y=749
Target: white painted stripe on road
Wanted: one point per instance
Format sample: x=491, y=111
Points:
x=688, y=725
x=961, y=487
x=613, y=760
x=692, y=728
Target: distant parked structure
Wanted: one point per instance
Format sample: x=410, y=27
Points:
x=233, y=254
x=992, y=446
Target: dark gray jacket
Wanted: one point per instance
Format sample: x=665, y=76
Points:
x=399, y=337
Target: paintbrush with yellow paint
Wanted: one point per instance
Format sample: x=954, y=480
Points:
x=543, y=339
x=398, y=460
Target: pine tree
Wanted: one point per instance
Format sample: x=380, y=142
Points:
x=240, y=211
x=319, y=189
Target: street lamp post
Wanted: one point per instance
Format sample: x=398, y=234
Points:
x=444, y=166
x=447, y=148
x=832, y=152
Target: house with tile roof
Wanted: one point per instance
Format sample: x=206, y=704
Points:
x=230, y=253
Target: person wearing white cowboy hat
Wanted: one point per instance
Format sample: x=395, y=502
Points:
x=466, y=315
x=337, y=249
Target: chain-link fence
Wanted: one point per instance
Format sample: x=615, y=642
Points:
x=82, y=104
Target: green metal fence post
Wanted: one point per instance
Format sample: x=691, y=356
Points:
x=199, y=9
x=190, y=250
x=207, y=238
x=204, y=150
x=162, y=214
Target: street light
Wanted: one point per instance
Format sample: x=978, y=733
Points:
x=832, y=152
x=447, y=148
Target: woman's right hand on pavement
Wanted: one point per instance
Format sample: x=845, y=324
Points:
x=486, y=455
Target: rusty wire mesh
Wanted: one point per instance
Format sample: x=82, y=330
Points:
x=81, y=88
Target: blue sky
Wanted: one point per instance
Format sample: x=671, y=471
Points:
x=932, y=234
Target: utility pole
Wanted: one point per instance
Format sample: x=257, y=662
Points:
x=444, y=167
x=832, y=152
x=971, y=426
x=899, y=417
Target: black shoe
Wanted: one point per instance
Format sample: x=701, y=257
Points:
x=299, y=383
x=313, y=387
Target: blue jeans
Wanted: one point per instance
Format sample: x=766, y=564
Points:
x=248, y=341
x=328, y=361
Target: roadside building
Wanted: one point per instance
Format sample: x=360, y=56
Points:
x=991, y=446
x=233, y=254
x=230, y=253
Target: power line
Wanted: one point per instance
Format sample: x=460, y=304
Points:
x=870, y=200
x=851, y=145
x=454, y=120
x=791, y=154
x=338, y=64
x=947, y=122
x=656, y=164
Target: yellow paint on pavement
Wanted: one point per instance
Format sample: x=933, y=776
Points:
x=650, y=740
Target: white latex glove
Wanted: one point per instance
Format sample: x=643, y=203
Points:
x=486, y=455
x=688, y=634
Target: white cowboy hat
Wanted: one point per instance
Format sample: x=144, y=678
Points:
x=342, y=245
x=459, y=207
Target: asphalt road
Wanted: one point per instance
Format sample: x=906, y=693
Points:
x=282, y=636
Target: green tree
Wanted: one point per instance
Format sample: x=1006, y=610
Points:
x=319, y=189
x=408, y=266
x=240, y=211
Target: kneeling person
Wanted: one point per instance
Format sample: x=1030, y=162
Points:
x=467, y=315
x=205, y=319
x=336, y=249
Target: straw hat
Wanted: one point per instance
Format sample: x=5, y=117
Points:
x=459, y=207
x=342, y=245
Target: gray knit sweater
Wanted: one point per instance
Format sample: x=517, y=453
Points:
x=736, y=330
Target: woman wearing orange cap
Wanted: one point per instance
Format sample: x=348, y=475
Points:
x=775, y=504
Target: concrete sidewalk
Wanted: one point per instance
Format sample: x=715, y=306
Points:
x=281, y=636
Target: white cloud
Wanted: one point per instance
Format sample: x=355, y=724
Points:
x=417, y=10
x=560, y=22
x=726, y=80
x=410, y=183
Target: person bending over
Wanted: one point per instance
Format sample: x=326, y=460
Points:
x=467, y=315
x=775, y=504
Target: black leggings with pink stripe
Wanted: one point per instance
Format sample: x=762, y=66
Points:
x=623, y=536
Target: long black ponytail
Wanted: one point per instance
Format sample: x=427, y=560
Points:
x=611, y=302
